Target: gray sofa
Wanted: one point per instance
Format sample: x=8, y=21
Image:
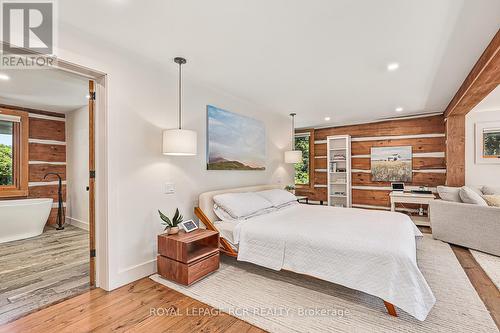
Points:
x=473, y=226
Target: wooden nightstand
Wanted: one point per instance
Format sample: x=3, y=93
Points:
x=188, y=257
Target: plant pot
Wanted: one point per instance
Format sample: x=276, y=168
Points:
x=173, y=230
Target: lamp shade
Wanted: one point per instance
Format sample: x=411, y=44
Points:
x=293, y=156
x=179, y=142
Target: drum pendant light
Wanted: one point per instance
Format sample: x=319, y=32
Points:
x=178, y=141
x=293, y=156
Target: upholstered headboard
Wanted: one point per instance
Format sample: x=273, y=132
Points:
x=206, y=201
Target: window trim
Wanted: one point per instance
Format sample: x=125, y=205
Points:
x=310, y=134
x=20, y=156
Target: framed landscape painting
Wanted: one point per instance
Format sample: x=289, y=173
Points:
x=234, y=142
x=391, y=164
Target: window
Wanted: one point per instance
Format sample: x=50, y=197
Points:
x=487, y=142
x=13, y=153
x=302, y=143
x=491, y=143
x=6, y=153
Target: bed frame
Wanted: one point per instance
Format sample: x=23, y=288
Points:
x=227, y=249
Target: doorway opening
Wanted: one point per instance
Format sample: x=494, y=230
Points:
x=47, y=188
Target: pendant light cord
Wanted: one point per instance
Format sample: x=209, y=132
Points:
x=180, y=95
x=293, y=131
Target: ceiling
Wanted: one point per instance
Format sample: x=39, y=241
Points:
x=319, y=58
x=44, y=89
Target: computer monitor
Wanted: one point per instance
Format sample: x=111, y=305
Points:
x=398, y=186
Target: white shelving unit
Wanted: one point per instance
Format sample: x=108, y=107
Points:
x=339, y=170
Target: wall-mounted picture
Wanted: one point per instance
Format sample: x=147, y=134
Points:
x=488, y=142
x=234, y=141
x=391, y=164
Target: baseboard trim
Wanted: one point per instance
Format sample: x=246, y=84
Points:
x=77, y=223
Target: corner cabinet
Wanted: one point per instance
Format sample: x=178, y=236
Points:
x=339, y=170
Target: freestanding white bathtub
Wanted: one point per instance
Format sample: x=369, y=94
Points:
x=23, y=218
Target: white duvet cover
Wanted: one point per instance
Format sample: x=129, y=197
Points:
x=367, y=250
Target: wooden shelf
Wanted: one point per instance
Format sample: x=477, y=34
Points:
x=339, y=157
x=200, y=253
x=187, y=257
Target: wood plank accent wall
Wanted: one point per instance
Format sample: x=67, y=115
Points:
x=47, y=153
x=425, y=134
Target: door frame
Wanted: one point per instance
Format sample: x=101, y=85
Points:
x=98, y=185
x=99, y=135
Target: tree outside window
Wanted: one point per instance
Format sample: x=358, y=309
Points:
x=491, y=141
x=302, y=169
x=6, y=165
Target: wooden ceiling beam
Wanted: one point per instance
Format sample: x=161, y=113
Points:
x=482, y=79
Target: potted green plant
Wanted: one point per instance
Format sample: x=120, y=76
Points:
x=290, y=188
x=171, y=225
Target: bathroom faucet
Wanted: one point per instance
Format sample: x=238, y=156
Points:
x=60, y=212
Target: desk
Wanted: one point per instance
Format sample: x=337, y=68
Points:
x=414, y=198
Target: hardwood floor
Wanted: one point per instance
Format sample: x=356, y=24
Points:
x=145, y=306
x=41, y=270
x=142, y=306
x=486, y=289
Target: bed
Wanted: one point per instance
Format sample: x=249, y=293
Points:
x=366, y=250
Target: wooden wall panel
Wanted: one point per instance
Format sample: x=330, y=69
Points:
x=372, y=198
x=402, y=127
x=46, y=191
x=45, y=125
x=37, y=171
x=320, y=163
x=47, y=152
x=455, y=150
x=424, y=125
x=419, y=179
x=420, y=145
x=46, y=129
x=52, y=220
x=320, y=178
x=320, y=149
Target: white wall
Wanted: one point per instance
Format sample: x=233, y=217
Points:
x=481, y=174
x=142, y=100
x=77, y=167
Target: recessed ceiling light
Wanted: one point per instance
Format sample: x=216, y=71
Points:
x=399, y=109
x=392, y=66
x=4, y=77
x=327, y=118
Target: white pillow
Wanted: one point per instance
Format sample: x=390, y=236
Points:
x=449, y=193
x=226, y=217
x=277, y=197
x=468, y=195
x=240, y=205
x=490, y=190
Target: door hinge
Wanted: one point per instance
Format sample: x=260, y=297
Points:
x=92, y=174
x=92, y=253
x=92, y=96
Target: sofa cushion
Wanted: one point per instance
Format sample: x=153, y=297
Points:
x=492, y=200
x=448, y=193
x=490, y=190
x=470, y=196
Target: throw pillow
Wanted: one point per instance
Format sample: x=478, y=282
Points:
x=470, y=196
x=490, y=190
x=449, y=193
x=492, y=200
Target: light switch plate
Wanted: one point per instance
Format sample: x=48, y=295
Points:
x=169, y=188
